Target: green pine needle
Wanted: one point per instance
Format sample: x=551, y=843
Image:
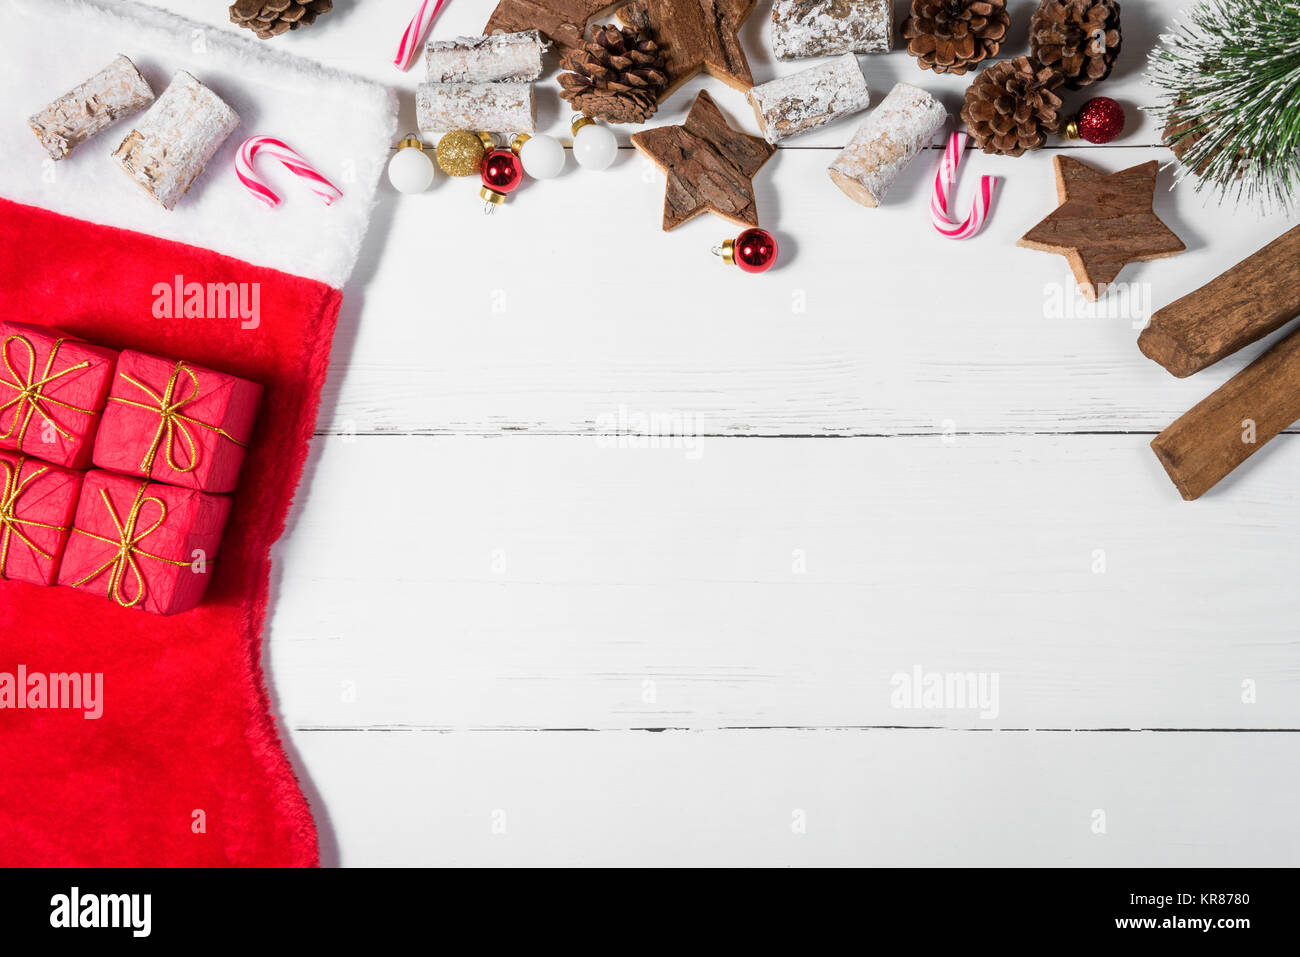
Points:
x=1231, y=71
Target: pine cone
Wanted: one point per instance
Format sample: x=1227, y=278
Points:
x=1080, y=38
x=270, y=18
x=952, y=36
x=616, y=76
x=1010, y=106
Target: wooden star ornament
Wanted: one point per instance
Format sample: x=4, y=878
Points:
x=563, y=22
x=710, y=166
x=696, y=35
x=1104, y=222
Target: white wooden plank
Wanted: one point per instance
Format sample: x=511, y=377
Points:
x=774, y=798
x=551, y=314
x=547, y=582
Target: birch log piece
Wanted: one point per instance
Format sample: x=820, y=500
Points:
x=513, y=57
x=493, y=107
x=114, y=93
x=172, y=143
x=905, y=122
x=1231, y=424
x=803, y=101
x=804, y=28
x=1252, y=299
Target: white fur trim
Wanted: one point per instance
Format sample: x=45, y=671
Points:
x=344, y=126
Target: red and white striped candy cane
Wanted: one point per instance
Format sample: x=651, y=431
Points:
x=944, y=179
x=291, y=159
x=409, y=48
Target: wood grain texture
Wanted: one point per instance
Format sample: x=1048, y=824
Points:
x=577, y=582
x=1233, y=423
x=1105, y=221
x=794, y=351
x=710, y=166
x=563, y=22
x=1241, y=305
x=697, y=35
x=804, y=798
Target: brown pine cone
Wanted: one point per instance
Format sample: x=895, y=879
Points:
x=270, y=18
x=952, y=36
x=1080, y=38
x=616, y=76
x=1010, y=106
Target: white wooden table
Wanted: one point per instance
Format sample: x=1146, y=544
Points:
x=544, y=643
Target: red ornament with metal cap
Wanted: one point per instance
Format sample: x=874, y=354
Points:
x=501, y=174
x=754, y=250
x=1098, y=121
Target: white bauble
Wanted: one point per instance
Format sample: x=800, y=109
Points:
x=594, y=147
x=542, y=156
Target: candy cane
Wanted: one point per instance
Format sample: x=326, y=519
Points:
x=944, y=179
x=414, y=35
x=290, y=158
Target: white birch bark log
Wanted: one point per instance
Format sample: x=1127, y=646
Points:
x=114, y=93
x=904, y=123
x=169, y=147
x=512, y=57
x=794, y=104
x=804, y=28
x=493, y=107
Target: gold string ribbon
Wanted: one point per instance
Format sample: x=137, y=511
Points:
x=30, y=390
x=171, y=421
x=128, y=547
x=11, y=489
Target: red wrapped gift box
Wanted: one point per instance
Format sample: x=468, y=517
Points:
x=52, y=391
x=176, y=422
x=37, y=503
x=143, y=545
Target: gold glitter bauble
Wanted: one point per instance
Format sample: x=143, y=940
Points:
x=460, y=153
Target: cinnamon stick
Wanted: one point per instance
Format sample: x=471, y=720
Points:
x=1255, y=297
x=1230, y=425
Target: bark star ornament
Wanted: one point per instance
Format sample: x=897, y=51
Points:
x=710, y=166
x=695, y=35
x=563, y=22
x=1104, y=222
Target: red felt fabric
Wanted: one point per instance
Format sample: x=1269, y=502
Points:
x=186, y=724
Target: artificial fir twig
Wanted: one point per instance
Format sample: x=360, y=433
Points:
x=1229, y=75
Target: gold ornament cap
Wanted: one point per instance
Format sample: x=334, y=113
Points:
x=518, y=142
x=1071, y=130
x=461, y=152
x=410, y=142
x=491, y=196
x=728, y=253
x=579, y=122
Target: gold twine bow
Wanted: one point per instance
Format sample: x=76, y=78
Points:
x=11, y=489
x=128, y=547
x=171, y=422
x=31, y=390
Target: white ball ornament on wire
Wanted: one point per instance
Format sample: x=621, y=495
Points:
x=410, y=170
x=594, y=147
x=542, y=155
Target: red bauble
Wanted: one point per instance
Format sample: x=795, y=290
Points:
x=1100, y=120
x=754, y=250
x=501, y=171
